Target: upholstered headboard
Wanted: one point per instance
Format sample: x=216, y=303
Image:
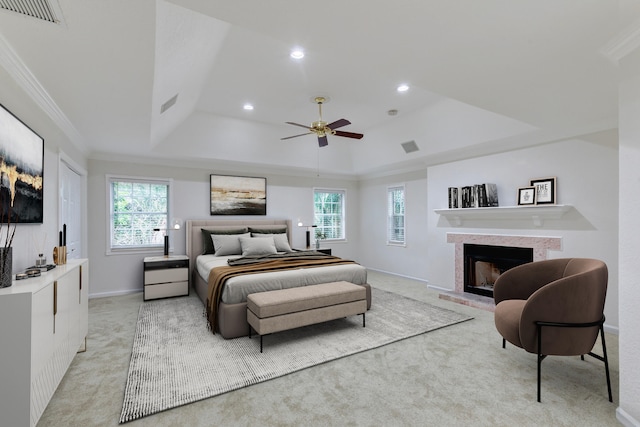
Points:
x=194, y=227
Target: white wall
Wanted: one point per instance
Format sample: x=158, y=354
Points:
x=287, y=197
x=587, y=179
x=24, y=244
x=587, y=176
x=373, y=251
x=629, y=111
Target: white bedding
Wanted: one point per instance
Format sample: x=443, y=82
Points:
x=237, y=288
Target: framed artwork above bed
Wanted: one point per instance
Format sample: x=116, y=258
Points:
x=238, y=195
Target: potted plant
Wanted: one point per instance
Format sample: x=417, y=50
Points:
x=319, y=236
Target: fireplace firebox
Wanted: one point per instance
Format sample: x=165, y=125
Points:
x=483, y=264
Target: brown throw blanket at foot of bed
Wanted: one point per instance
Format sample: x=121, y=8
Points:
x=219, y=275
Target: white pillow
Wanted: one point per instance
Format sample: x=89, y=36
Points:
x=253, y=246
x=227, y=244
x=280, y=239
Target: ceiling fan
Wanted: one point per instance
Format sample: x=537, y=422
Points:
x=322, y=128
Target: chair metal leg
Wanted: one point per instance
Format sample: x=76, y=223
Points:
x=540, y=357
x=504, y=343
x=602, y=358
x=606, y=362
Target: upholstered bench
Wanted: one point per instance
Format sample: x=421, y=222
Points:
x=280, y=310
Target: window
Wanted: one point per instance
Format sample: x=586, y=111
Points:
x=136, y=208
x=328, y=208
x=395, y=218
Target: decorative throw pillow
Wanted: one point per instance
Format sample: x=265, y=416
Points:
x=281, y=241
x=228, y=244
x=252, y=246
x=268, y=229
x=208, y=247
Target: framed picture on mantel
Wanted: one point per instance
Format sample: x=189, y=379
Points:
x=526, y=196
x=545, y=190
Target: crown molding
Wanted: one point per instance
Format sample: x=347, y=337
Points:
x=625, y=42
x=19, y=71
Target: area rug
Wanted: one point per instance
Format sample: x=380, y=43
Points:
x=176, y=360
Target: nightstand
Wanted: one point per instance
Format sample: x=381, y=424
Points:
x=166, y=276
x=324, y=250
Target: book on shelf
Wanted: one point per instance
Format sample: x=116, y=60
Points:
x=491, y=195
x=454, y=198
x=473, y=196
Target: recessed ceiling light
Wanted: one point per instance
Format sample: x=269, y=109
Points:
x=403, y=88
x=297, y=53
x=248, y=107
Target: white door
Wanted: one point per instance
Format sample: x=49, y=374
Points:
x=71, y=209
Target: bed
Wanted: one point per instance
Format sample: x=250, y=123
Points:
x=230, y=318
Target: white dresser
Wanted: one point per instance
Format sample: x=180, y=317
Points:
x=43, y=324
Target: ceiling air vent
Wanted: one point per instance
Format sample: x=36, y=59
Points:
x=169, y=103
x=47, y=10
x=409, y=147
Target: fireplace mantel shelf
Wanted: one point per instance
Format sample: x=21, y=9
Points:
x=536, y=213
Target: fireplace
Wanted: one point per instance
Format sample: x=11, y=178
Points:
x=483, y=264
x=539, y=245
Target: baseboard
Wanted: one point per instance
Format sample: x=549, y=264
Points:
x=439, y=288
x=114, y=294
x=399, y=275
x=611, y=329
x=626, y=419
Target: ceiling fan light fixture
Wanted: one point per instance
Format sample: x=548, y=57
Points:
x=248, y=107
x=403, y=87
x=322, y=128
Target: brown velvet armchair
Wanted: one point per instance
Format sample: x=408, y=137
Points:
x=553, y=307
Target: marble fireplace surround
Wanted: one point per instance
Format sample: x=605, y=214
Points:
x=540, y=246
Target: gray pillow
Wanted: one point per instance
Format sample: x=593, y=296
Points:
x=281, y=241
x=207, y=243
x=228, y=244
x=252, y=246
x=268, y=229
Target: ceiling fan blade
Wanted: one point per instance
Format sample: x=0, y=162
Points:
x=322, y=141
x=297, y=124
x=349, y=134
x=338, y=124
x=295, y=136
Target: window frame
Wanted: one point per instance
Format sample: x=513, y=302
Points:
x=343, y=219
x=391, y=215
x=138, y=249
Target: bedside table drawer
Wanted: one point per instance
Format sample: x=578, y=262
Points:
x=166, y=276
x=165, y=290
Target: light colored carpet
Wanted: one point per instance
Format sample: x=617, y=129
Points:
x=455, y=377
x=176, y=360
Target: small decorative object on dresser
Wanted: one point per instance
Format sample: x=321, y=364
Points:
x=545, y=190
x=166, y=276
x=6, y=264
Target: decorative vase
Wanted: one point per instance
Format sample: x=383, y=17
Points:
x=6, y=265
x=317, y=243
